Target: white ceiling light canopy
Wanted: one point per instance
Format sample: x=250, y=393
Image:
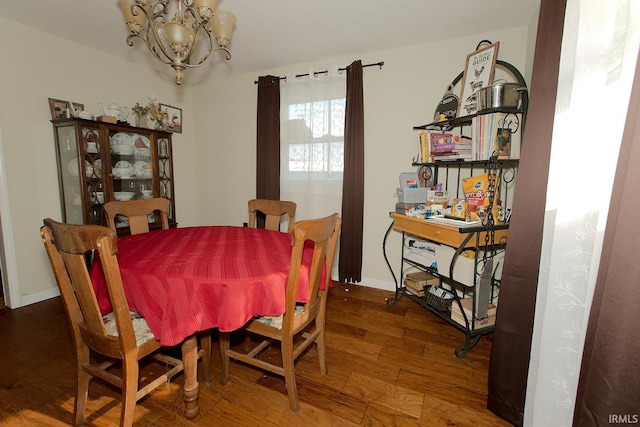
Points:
x=174, y=40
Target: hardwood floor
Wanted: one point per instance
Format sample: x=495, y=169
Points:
x=387, y=366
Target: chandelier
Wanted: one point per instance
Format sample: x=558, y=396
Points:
x=173, y=41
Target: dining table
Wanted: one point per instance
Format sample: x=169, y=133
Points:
x=191, y=279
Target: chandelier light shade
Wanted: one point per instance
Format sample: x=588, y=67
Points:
x=174, y=29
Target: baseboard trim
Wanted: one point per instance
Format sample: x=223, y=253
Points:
x=39, y=296
x=55, y=292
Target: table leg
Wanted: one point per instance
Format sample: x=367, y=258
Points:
x=205, y=347
x=191, y=392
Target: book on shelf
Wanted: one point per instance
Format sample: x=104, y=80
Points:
x=496, y=134
x=423, y=145
x=446, y=157
x=415, y=282
x=421, y=276
x=441, y=142
x=414, y=290
x=437, y=145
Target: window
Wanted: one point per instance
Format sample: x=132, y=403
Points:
x=316, y=150
x=312, y=116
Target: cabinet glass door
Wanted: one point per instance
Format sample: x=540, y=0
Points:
x=71, y=182
x=131, y=167
x=93, y=148
x=165, y=173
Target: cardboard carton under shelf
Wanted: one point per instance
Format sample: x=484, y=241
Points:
x=473, y=324
x=467, y=306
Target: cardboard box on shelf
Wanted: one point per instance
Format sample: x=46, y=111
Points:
x=473, y=323
x=107, y=119
x=467, y=306
x=420, y=251
x=465, y=267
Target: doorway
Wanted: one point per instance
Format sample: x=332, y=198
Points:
x=1, y=289
x=8, y=266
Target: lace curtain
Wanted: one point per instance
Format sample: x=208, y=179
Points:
x=312, y=142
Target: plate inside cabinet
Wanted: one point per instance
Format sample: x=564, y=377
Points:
x=121, y=138
x=73, y=167
x=143, y=169
x=141, y=141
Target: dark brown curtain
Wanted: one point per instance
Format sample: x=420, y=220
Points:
x=609, y=385
x=268, y=139
x=509, y=363
x=350, y=262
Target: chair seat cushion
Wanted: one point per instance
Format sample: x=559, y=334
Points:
x=276, y=321
x=140, y=327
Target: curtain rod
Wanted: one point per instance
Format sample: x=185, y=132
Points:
x=315, y=73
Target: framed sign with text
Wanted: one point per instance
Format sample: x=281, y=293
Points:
x=478, y=73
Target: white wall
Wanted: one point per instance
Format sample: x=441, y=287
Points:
x=401, y=95
x=41, y=66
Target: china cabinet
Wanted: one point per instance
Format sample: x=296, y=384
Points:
x=99, y=162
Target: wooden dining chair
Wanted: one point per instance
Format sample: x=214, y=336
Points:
x=297, y=316
x=137, y=211
x=273, y=210
x=122, y=337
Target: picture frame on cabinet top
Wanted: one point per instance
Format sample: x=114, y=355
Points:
x=58, y=108
x=174, y=118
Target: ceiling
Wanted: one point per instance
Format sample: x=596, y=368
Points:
x=273, y=34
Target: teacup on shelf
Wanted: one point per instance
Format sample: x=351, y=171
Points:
x=99, y=197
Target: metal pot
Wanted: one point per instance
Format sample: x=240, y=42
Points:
x=500, y=95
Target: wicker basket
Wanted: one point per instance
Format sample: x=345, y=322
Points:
x=441, y=303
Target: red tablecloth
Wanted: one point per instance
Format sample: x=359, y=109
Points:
x=185, y=280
